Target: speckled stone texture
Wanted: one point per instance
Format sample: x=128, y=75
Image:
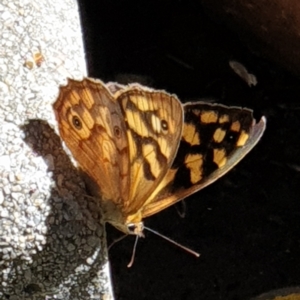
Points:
x=52, y=242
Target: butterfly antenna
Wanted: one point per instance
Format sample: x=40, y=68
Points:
x=116, y=241
x=133, y=253
x=173, y=242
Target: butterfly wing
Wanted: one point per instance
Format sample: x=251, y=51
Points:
x=92, y=126
x=153, y=121
x=215, y=138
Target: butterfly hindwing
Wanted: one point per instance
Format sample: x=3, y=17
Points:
x=214, y=139
x=92, y=126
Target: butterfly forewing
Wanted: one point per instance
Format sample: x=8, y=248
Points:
x=154, y=122
x=92, y=126
x=214, y=139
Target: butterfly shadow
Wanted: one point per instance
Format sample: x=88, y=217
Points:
x=74, y=254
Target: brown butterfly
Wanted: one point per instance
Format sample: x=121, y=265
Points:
x=143, y=150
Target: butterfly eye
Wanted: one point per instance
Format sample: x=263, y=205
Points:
x=164, y=125
x=131, y=228
x=77, y=123
x=117, y=132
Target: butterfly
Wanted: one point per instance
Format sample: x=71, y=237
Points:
x=142, y=150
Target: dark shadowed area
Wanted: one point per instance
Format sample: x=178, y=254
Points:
x=246, y=225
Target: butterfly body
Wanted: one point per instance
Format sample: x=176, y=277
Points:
x=141, y=150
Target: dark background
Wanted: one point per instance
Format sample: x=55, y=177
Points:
x=246, y=225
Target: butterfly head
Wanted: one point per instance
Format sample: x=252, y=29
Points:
x=135, y=228
x=132, y=228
